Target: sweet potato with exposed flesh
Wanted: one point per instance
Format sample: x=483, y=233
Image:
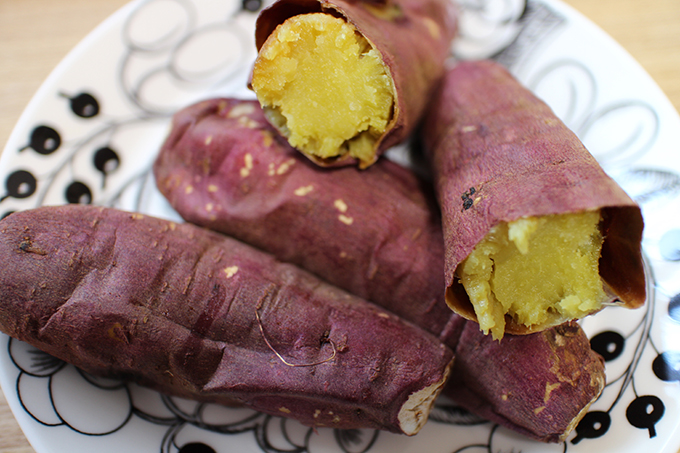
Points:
x=195, y=314
x=536, y=233
x=345, y=80
x=376, y=233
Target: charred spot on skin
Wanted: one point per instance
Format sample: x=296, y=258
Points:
x=26, y=245
x=468, y=202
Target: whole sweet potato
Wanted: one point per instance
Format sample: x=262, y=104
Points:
x=192, y=313
x=344, y=80
x=504, y=167
x=376, y=233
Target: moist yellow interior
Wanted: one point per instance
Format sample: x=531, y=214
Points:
x=324, y=86
x=537, y=269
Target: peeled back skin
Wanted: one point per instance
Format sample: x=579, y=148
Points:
x=192, y=313
x=344, y=80
x=536, y=233
x=376, y=233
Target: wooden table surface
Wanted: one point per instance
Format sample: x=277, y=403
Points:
x=36, y=34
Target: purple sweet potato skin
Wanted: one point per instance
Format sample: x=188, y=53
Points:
x=173, y=307
x=413, y=38
x=575, y=371
x=375, y=232
x=486, y=132
x=395, y=242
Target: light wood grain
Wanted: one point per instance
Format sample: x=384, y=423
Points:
x=36, y=34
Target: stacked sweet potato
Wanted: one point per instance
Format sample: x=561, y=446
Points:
x=195, y=313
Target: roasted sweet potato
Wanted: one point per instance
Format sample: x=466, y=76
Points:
x=376, y=233
x=192, y=313
x=536, y=233
x=372, y=232
x=345, y=80
x=530, y=383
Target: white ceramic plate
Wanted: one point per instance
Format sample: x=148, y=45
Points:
x=91, y=133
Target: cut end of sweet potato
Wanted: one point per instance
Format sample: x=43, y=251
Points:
x=416, y=410
x=325, y=87
x=537, y=271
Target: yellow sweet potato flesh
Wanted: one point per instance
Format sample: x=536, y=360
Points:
x=324, y=86
x=538, y=270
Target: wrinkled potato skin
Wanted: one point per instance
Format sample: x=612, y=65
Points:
x=173, y=307
x=394, y=252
